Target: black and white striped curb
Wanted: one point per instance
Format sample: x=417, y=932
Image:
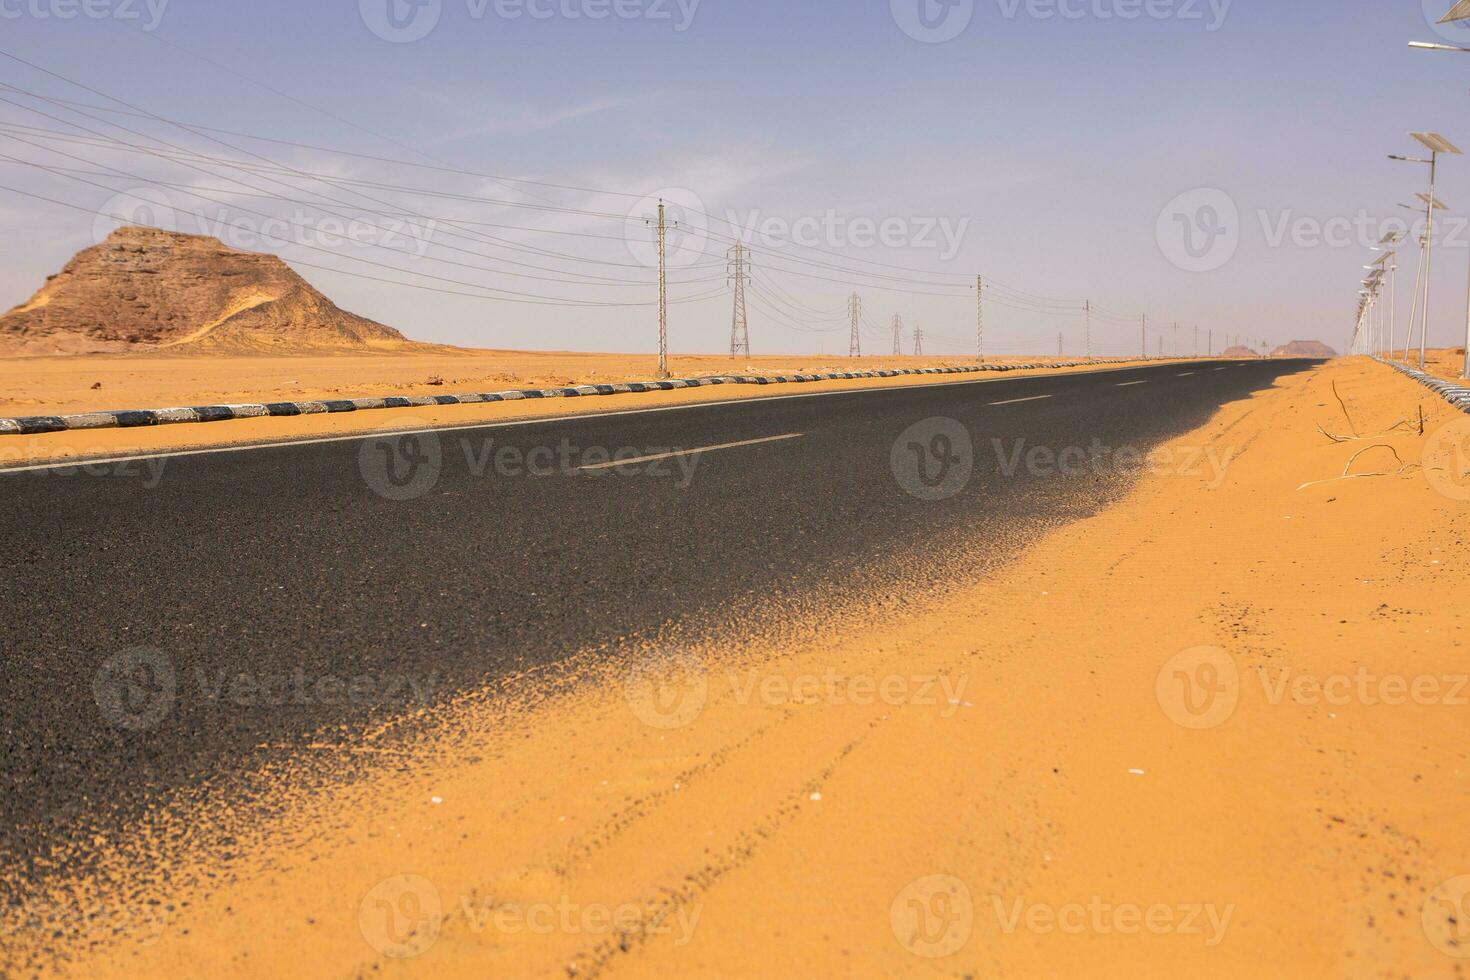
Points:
x=136, y=418
x=1454, y=392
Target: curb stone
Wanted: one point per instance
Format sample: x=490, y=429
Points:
x=1456, y=393
x=136, y=418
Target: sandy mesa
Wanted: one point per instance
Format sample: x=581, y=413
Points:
x=1218, y=729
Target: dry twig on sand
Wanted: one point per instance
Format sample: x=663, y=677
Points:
x=1400, y=424
x=1346, y=475
x=1343, y=405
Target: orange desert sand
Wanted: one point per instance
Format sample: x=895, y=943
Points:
x=1218, y=730
x=1448, y=362
x=64, y=385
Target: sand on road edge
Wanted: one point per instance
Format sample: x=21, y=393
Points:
x=1215, y=730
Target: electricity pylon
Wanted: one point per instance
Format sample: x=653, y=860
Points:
x=663, y=293
x=739, y=276
x=897, y=335
x=918, y=341
x=980, y=319
x=855, y=314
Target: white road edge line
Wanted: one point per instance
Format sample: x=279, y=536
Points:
x=1017, y=401
x=689, y=452
x=390, y=432
x=1125, y=384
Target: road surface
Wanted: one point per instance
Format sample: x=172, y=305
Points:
x=168, y=620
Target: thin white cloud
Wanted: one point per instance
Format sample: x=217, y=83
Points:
x=528, y=119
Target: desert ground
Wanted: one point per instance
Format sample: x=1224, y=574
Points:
x=1216, y=729
x=1443, y=362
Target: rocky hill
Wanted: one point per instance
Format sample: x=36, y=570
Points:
x=1239, y=350
x=144, y=288
x=1304, y=348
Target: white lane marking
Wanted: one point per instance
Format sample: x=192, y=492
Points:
x=1219, y=369
x=690, y=452
x=1017, y=401
x=1183, y=374
x=365, y=434
x=1125, y=384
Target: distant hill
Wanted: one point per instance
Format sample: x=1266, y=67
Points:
x=1304, y=348
x=145, y=288
x=1239, y=350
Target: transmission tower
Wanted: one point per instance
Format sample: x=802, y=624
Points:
x=897, y=335
x=918, y=341
x=663, y=292
x=1087, y=329
x=980, y=318
x=855, y=314
x=738, y=272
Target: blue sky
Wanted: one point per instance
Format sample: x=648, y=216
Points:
x=1037, y=151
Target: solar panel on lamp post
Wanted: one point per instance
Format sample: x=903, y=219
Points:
x=1392, y=293
x=1391, y=242
x=1435, y=144
x=1373, y=282
x=1459, y=13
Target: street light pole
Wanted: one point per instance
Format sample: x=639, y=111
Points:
x=1435, y=144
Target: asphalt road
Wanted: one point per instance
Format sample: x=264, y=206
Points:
x=166, y=618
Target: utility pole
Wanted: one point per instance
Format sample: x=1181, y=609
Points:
x=855, y=314
x=663, y=295
x=918, y=341
x=897, y=335
x=739, y=279
x=1429, y=258
x=1087, y=328
x=980, y=319
x=1393, y=287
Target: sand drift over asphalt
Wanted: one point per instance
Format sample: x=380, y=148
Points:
x=1132, y=748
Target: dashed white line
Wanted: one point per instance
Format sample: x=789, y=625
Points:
x=1125, y=384
x=1017, y=401
x=690, y=452
x=1184, y=374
